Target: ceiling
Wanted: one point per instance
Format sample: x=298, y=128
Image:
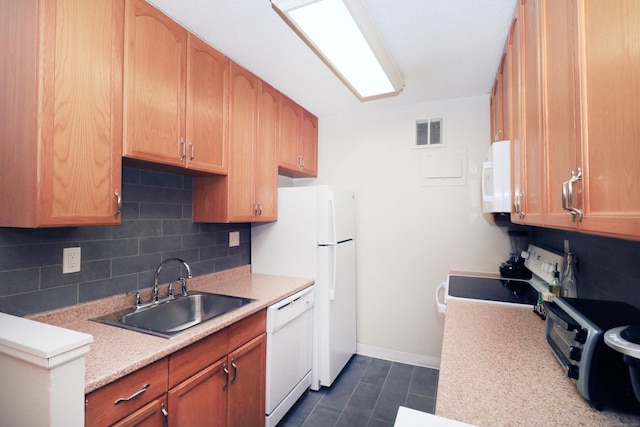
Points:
x=443, y=48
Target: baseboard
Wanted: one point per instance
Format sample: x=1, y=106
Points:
x=398, y=356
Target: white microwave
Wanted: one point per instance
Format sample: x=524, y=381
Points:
x=496, y=178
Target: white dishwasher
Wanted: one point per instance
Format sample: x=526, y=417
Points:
x=289, y=353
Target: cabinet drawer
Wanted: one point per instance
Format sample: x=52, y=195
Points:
x=194, y=358
x=246, y=329
x=141, y=387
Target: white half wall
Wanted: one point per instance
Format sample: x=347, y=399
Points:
x=409, y=236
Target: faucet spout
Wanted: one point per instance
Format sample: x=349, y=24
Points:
x=182, y=279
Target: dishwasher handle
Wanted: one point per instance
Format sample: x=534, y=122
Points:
x=289, y=309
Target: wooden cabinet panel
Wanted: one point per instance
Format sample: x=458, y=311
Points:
x=298, y=141
x=207, y=107
x=561, y=104
x=532, y=143
x=266, y=173
x=61, y=112
x=196, y=357
x=151, y=415
x=154, y=76
x=247, y=384
x=610, y=90
x=247, y=329
x=517, y=155
x=139, y=387
x=200, y=401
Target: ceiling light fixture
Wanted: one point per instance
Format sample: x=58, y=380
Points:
x=343, y=34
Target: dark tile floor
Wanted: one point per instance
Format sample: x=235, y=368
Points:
x=367, y=393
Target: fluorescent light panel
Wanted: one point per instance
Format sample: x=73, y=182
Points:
x=343, y=34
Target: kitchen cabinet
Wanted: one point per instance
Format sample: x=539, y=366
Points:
x=531, y=195
x=221, y=389
x=497, y=103
x=130, y=398
x=216, y=381
x=298, y=141
x=248, y=193
x=609, y=107
x=61, y=112
x=175, y=94
x=561, y=105
x=151, y=415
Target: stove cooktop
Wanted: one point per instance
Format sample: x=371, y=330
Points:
x=492, y=289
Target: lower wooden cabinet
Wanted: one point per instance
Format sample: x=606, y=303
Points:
x=217, y=381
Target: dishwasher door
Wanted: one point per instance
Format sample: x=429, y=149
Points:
x=289, y=352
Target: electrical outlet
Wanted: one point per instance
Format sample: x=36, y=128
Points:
x=70, y=260
x=234, y=239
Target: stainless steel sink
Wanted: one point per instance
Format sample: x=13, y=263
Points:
x=168, y=318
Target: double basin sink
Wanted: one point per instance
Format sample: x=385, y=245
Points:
x=174, y=315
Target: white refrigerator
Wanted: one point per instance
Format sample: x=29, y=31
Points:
x=314, y=237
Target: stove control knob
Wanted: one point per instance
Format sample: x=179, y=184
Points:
x=573, y=372
x=581, y=335
x=575, y=353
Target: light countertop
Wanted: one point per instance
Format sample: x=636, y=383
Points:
x=116, y=352
x=497, y=370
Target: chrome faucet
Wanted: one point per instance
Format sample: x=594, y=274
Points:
x=155, y=297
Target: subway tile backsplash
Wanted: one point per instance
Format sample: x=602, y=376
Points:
x=156, y=224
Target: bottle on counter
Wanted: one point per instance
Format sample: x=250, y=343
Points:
x=568, y=282
x=555, y=287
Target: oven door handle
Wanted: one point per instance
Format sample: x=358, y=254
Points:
x=560, y=317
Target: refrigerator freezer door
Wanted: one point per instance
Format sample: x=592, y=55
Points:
x=336, y=215
x=336, y=310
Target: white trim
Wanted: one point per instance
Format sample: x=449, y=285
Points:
x=398, y=356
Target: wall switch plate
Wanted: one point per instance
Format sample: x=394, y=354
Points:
x=234, y=239
x=70, y=260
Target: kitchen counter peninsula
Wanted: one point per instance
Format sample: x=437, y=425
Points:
x=497, y=370
x=116, y=352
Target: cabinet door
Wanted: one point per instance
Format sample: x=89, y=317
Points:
x=308, y=146
x=561, y=105
x=206, y=109
x=200, y=401
x=266, y=174
x=610, y=87
x=154, y=80
x=517, y=156
x=532, y=143
x=243, y=103
x=497, y=99
x=247, y=384
x=152, y=415
x=61, y=112
x=290, y=119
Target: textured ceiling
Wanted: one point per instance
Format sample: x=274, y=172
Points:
x=444, y=48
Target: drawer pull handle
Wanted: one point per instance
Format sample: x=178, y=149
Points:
x=235, y=371
x=134, y=395
x=226, y=378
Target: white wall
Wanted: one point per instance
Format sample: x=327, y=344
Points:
x=409, y=236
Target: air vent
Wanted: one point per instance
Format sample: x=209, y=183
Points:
x=429, y=133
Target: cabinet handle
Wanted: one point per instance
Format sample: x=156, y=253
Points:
x=193, y=151
x=184, y=149
x=517, y=204
x=235, y=371
x=226, y=377
x=134, y=395
x=567, y=196
x=118, y=203
x=259, y=209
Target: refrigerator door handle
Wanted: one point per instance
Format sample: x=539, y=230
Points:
x=332, y=288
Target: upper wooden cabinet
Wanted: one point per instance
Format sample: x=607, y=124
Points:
x=61, y=112
x=298, y=141
x=248, y=192
x=575, y=165
x=175, y=93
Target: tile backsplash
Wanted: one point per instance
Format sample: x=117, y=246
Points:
x=156, y=224
x=606, y=268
